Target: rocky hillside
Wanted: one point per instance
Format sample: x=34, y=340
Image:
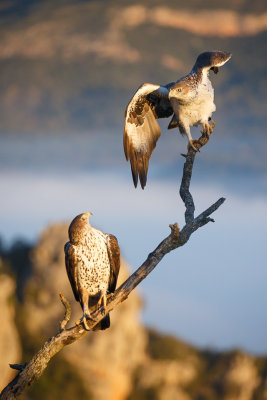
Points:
x=127, y=362
x=10, y=348
x=72, y=65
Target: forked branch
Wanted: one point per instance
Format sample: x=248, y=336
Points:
x=30, y=372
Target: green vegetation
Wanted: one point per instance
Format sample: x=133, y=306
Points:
x=166, y=347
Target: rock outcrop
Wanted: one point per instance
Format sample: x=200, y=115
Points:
x=241, y=378
x=10, y=349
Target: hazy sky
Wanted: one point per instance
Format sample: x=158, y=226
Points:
x=211, y=292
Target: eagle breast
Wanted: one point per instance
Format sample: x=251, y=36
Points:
x=93, y=266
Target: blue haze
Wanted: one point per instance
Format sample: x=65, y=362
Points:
x=212, y=291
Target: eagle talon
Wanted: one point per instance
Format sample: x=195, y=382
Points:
x=90, y=318
x=205, y=133
x=191, y=143
x=84, y=321
x=103, y=310
x=86, y=327
x=207, y=128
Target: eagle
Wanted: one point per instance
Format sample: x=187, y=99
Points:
x=190, y=102
x=92, y=261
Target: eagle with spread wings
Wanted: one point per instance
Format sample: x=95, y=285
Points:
x=92, y=261
x=190, y=102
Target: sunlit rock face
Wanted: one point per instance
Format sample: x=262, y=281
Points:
x=105, y=360
x=168, y=377
x=241, y=378
x=10, y=349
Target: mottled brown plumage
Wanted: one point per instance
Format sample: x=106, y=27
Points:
x=92, y=262
x=189, y=100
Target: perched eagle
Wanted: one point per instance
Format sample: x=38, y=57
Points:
x=190, y=100
x=93, y=262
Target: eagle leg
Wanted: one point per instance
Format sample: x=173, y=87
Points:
x=102, y=302
x=87, y=316
x=191, y=142
x=86, y=313
x=84, y=321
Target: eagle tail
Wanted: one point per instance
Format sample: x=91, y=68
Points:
x=103, y=324
x=139, y=167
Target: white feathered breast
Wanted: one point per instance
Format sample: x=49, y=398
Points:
x=200, y=109
x=93, y=263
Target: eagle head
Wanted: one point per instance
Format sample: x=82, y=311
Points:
x=85, y=216
x=211, y=59
x=79, y=227
x=180, y=91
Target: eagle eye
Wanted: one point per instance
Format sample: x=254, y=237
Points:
x=179, y=89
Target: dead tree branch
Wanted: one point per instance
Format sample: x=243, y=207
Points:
x=67, y=315
x=30, y=372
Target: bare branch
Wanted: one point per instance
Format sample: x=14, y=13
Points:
x=187, y=175
x=30, y=372
x=175, y=231
x=18, y=367
x=67, y=306
x=205, y=214
x=184, y=188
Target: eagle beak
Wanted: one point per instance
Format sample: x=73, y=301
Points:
x=171, y=93
x=88, y=214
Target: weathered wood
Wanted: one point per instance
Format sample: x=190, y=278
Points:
x=30, y=372
x=18, y=367
x=67, y=315
x=184, y=188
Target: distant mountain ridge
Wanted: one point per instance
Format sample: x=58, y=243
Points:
x=74, y=65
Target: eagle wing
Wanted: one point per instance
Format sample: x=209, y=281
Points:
x=71, y=267
x=141, y=129
x=114, y=260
